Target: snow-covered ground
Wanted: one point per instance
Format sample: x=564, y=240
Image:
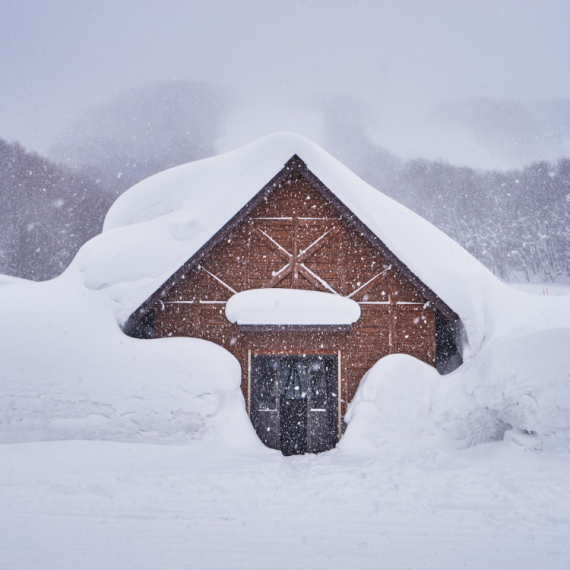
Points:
x=125, y=453
x=152, y=462
x=94, y=504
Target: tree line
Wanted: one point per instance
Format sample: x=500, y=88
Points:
x=47, y=212
x=516, y=223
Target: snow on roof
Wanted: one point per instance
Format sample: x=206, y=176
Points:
x=291, y=307
x=157, y=225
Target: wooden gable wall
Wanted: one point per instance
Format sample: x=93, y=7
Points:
x=295, y=238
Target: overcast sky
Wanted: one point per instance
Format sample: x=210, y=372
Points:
x=282, y=59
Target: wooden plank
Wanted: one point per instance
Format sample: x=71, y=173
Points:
x=249, y=382
x=294, y=328
x=274, y=245
x=318, y=243
x=339, y=393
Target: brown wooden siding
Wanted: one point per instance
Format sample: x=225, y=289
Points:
x=296, y=238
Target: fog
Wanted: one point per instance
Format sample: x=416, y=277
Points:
x=477, y=83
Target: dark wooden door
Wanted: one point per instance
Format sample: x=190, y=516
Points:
x=294, y=402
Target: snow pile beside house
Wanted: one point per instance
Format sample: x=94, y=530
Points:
x=393, y=408
x=516, y=388
x=291, y=307
x=68, y=372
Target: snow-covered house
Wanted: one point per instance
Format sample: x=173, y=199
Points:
x=306, y=274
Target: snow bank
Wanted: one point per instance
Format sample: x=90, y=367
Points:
x=393, y=408
x=68, y=372
x=517, y=388
x=291, y=307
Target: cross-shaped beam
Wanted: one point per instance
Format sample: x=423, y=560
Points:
x=295, y=261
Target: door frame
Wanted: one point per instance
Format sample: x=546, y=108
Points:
x=339, y=396
x=265, y=352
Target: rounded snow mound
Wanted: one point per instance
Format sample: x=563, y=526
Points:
x=400, y=387
x=69, y=372
x=291, y=307
x=518, y=387
x=394, y=407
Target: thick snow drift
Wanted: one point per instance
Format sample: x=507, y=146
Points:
x=69, y=372
x=516, y=388
x=291, y=307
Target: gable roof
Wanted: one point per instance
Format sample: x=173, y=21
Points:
x=154, y=228
x=295, y=164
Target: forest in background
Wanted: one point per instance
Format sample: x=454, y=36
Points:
x=514, y=222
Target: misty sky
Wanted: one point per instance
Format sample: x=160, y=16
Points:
x=284, y=62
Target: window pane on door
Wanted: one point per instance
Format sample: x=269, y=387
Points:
x=267, y=384
x=317, y=384
x=294, y=383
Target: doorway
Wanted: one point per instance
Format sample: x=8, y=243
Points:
x=294, y=402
